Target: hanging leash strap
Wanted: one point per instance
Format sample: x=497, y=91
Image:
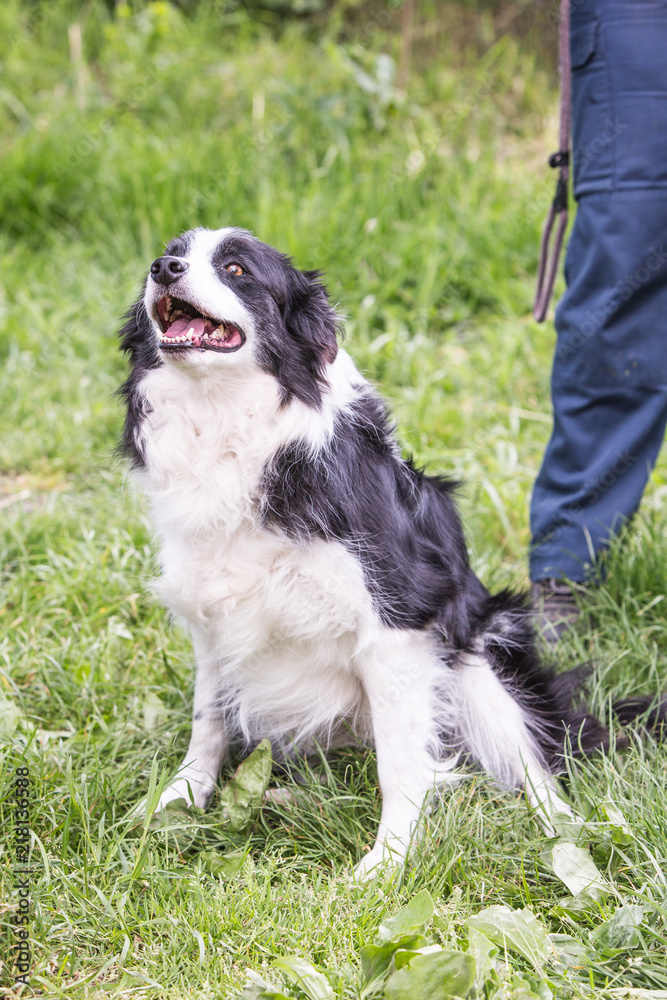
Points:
x=549, y=256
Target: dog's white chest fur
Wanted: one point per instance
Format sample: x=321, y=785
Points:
x=277, y=616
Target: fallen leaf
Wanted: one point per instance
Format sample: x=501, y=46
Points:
x=575, y=867
x=314, y=984
x=410, y=919
x=242, y=796
x=436, y=976
x=620, y=933
x=516, y=930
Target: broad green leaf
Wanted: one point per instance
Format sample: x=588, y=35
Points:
x=253, y=992
x=404, y=956
x=516, y=930
x=437, y=976
x=484, y=952
x=621, y=833
x=575, y=906
x=314, y=984
x=622, y=931
x=523, y=989
x=376, y=958
x=570, y=952
x=575, y=867
x=541, y=988
x=410, y=919
x=222, y=864
x=242, y=796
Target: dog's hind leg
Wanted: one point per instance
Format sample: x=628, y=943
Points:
x=492, y=725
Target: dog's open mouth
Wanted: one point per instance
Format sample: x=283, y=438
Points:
x=183, y=326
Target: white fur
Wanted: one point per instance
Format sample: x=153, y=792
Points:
x=495, y=729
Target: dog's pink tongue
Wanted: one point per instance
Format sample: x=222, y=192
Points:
x=181, y=326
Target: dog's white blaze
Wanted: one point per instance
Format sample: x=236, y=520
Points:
x=205, y=283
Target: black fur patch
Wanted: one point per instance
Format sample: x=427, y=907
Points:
x=401, y=524
x=137, y=340
x=510, y=645
x=180, y=246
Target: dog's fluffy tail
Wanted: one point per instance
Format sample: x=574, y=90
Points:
x=505, y=639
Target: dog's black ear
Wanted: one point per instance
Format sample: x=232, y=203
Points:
x=299, y=358
x=136, y=336
x=310, y=319
x=137, y=340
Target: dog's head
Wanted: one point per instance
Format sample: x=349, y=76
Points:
x=220, y=301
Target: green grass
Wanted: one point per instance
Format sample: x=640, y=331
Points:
x=424, y=211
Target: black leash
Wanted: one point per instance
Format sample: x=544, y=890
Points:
x=550, y=256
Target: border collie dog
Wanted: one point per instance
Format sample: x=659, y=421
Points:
x=323, y=578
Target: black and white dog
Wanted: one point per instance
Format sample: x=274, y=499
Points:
x=323, y=578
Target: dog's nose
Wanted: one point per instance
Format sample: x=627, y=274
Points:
x=167, y=269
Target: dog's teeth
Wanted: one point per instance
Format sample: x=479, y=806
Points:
x=190, y=333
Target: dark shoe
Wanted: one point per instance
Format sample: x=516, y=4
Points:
x=554, y=607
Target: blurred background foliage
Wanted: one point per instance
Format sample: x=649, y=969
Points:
x=399, y=147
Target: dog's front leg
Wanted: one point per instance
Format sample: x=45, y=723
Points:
x=209, y=740
x=399, y=683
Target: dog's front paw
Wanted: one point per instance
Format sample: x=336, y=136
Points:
x=190, y=791
x=376, y=862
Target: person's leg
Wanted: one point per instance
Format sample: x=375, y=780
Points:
x=609, y=381
x=594, y=471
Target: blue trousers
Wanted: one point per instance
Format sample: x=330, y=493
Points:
x=609, y=377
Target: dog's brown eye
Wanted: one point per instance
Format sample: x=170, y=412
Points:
x=234, y=268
